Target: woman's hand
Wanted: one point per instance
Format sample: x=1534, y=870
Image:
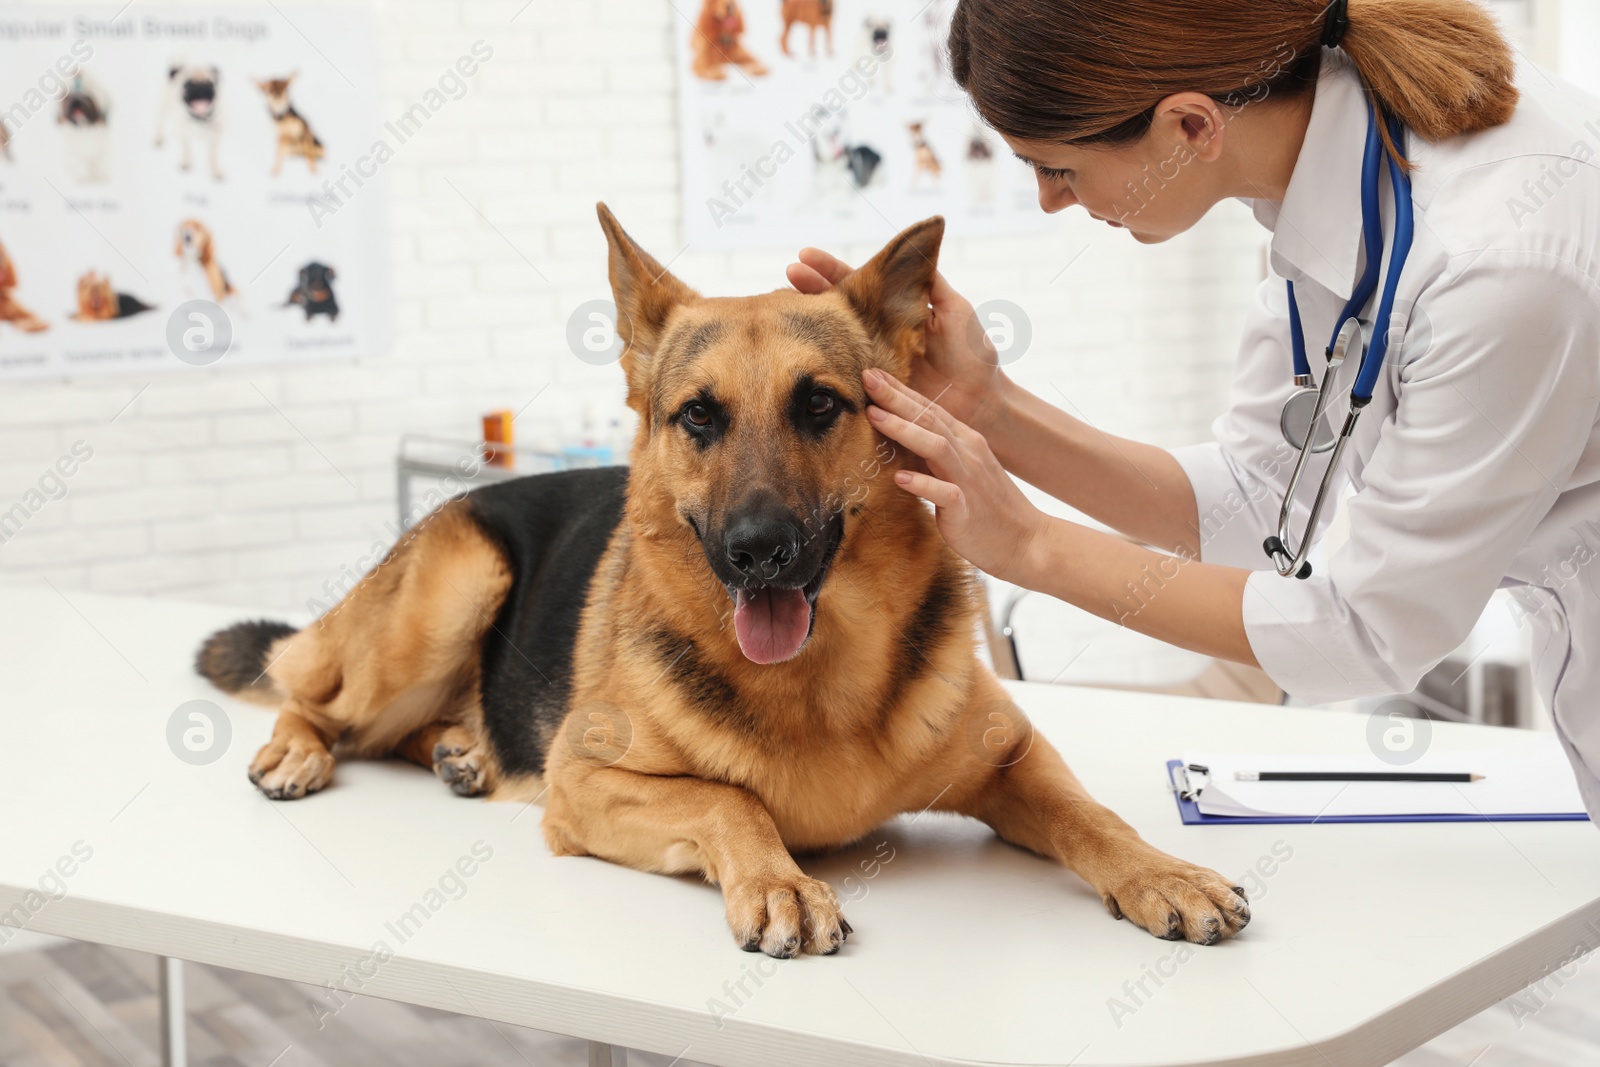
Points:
x=981, y=512
x=962, y=368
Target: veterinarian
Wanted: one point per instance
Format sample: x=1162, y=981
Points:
x=1474, y=454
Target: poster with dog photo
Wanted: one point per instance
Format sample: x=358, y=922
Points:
x=810, y=121
x=164, y=155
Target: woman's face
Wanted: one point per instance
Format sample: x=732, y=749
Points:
x=1155, y=188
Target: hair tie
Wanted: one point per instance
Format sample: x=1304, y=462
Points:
x=1336, y=23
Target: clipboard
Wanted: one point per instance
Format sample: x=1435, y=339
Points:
x=1181, y=778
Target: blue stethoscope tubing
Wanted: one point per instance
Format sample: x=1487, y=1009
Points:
x=1287, y=559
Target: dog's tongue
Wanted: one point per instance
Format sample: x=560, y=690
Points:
x=771, y=623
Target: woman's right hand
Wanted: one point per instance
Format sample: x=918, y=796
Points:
x=962, y=369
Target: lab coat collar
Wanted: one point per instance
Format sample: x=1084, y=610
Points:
x=1316, y=230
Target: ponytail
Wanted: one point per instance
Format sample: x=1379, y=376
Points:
x=1092, y=71
x=1439, y=66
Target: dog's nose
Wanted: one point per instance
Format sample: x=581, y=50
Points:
x=762, y=548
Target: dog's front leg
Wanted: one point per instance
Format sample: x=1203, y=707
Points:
x=1026, y=792
x=677, y=825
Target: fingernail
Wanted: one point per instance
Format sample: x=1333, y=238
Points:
x=873, y=376
x=876, y=414
x=902, y=478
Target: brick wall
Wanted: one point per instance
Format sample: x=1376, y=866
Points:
x=256, y=485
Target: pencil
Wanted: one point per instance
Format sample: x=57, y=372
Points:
x=1352, y=776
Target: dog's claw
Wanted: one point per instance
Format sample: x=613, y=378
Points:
x=785, y=916
x=460, y=767
x=291, y=769
x=1178, y=901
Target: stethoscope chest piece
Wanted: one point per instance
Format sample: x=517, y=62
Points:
x=1299, y=412
x=1308, y=406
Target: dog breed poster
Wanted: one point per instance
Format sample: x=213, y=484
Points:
x=810, y=121
x=164, y=155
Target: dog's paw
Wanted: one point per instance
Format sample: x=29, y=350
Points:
x=785, y=916
x=286, y=770
x=461, y=764
x=1178, y=901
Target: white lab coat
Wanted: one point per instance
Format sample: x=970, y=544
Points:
x=1477, y=464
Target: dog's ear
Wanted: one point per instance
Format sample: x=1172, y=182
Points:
x=890, y=292
x=646, y=295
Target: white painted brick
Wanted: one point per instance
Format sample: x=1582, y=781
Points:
x=285, y=492
x=156, y=574
x=65, y=577
x=215, y=464
x=216, y=532
x=141, y=504
x=596, y=111
x=615, y=44
x=528, y=14
x=643, y=77
x=288, y=424
x=18, y=517
x=344, y=522
x=364, y=380
x=182, y=395
x=550, y=143
x=136, y=432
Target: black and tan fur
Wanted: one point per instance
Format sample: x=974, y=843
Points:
x=98, y=301
x=568, y=636
x=294, y=132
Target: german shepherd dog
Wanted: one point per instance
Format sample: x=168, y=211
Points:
x=746, y=644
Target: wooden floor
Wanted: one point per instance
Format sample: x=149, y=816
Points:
x=82, y=1005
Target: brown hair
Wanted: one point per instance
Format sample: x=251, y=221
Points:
x=1092, y=71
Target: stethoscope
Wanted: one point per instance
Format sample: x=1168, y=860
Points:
x=1302, y=423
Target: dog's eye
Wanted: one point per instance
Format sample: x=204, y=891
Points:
x=697, y=415
x=819, y=404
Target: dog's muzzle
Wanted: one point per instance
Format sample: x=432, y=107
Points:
x=772, y=564
x=200, y=97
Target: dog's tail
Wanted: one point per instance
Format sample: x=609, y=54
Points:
x=235, y=660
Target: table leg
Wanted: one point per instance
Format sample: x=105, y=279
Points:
x=607, y=1055
x=174, y=1046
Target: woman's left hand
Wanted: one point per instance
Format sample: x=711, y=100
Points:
x=981, y=512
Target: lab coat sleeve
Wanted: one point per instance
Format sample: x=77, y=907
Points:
x=1492, y=416
x=1239, y=477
